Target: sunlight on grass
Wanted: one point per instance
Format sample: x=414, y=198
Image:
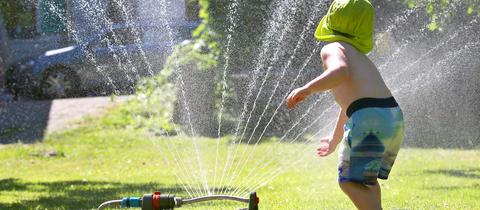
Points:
x=83, y=167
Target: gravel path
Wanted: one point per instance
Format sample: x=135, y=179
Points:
x=30, y=121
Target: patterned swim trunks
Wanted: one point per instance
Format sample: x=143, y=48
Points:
x=372, y=139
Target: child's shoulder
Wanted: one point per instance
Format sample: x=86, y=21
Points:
x=332, y=48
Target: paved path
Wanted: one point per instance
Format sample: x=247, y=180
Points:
x=30, y=121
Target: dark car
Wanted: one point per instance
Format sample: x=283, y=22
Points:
x=112, y=59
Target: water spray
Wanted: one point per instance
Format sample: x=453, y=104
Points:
x=159, y=201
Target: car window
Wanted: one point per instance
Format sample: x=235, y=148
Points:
x=117, y=37
x=156, y=35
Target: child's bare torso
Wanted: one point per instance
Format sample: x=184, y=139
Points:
x=364, y=80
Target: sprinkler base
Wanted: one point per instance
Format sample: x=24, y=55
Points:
x=158, y=201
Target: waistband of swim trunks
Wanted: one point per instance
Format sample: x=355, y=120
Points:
x=371, y=102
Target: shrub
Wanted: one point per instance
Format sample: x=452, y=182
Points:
x=150, y=108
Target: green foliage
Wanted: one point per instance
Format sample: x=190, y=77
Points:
x=251, y=21
x=18, y=15
x=442, y=11
x=15, y=13
x=192, y=53
x=151, y=108
x=205, y=48
x=153, y=105
x=242, y=26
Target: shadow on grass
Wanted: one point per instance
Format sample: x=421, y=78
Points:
x=25, y=121
x=75, y=194
x=471, y=173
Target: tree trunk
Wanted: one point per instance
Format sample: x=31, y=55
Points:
x=3, y=53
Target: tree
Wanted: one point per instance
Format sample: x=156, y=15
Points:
x=442, y=11
x=3, y=52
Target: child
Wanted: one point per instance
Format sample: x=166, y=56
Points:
x=370, y=126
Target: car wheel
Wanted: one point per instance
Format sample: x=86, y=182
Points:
x=59, y=83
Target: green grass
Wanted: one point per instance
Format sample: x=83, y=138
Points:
x=95, y=163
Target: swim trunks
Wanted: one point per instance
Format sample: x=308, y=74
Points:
x=372, y=139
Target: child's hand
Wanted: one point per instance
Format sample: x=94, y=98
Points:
x=297, y=96
x=326, y=147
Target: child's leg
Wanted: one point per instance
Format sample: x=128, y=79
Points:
x=377, y=191
x=363, y=196
x=372, y=138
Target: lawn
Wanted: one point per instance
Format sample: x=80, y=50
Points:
x=81, y=168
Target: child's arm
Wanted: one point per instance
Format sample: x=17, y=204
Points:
x=336, y=72
x=338, y=132
x=328, y=144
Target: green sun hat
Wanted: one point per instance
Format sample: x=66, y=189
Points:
x=350, y=21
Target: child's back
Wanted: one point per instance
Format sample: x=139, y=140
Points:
x=363, y=80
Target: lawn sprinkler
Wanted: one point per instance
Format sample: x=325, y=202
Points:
x=159, y=201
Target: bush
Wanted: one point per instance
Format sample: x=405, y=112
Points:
x=252, y=20
x=193, y=66
x=150, y=108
